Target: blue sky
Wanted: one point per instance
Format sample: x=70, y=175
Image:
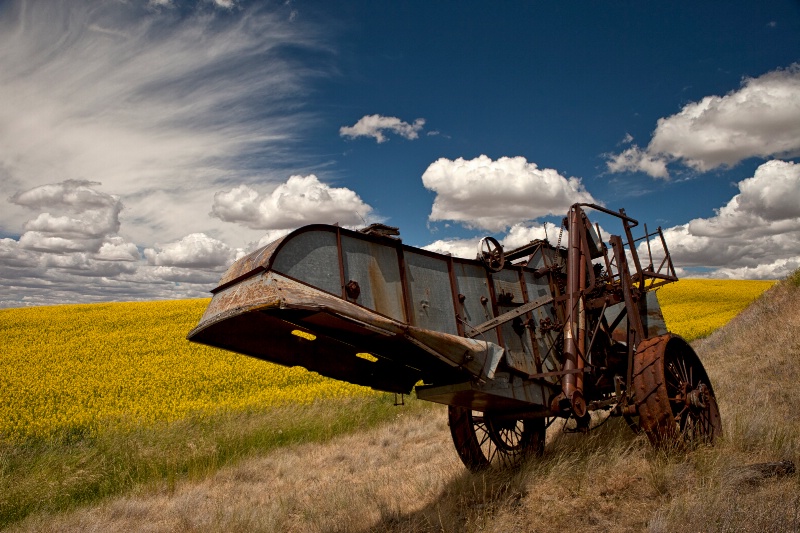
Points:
x=146, y=145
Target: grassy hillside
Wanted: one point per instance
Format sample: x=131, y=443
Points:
x=49, y=474
x=405, y=477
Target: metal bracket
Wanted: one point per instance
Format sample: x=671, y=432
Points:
x=510, y=315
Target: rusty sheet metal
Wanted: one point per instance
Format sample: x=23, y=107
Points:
x=475, y=299
x=375, y=269
x=311, y=257
x=430, y=293
x=511, y=296
x=270, y=291
x=541, y=316
x=248, y=264
x=506, y=392
x=649, y=312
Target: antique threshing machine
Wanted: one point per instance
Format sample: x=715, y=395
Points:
x=509, y=341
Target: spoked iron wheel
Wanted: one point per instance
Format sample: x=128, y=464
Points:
x=484, y=440
x=675, y=400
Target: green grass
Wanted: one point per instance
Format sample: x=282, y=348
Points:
x=52, y=476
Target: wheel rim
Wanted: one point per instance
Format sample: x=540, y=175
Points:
x=693, y=405
x=483, y=440
x=676, y=403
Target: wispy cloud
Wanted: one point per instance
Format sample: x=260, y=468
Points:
x=150, y=101
x=166, y=104
x=376, y=126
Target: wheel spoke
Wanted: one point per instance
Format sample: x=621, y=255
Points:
x=683, y=398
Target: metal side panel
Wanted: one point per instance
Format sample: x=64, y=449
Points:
x=313, y=258
x=541, y=317
x=649, y=312
x=652, y=319
x=476, y=308
x=431, y=303
x=376, y=269
x=504, y=393
x=516, y=337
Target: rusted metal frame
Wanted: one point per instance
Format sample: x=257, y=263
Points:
x=649, y=251
x=589, y=266
x=301, y=282
x=531, y=333
x=622, y=314
x=667, y=256
x=257, y=270
x=401, y=260
x=426, y=348
x=556, y=373
x=635, y=329
x=550, y=350
x=651, y=272
x=634, y=254
x=572, y=384
x=493, y=302
x=454, y=295
x=340, y=254
x=594, y=333
x=618, y=214
x=508, y=315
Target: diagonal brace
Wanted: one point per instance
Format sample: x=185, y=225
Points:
x=510, y=315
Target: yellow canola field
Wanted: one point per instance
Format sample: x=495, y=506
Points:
x=694, y=308
x=75, y=370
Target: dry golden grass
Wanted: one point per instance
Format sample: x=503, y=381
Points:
x=406, y=477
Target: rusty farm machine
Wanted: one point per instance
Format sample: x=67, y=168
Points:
x=509, y=341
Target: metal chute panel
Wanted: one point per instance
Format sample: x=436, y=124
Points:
x=430, y=292
x=476, y=305
x=376, y=269
x=311, y=257
x=543, y=322
x=510, y=293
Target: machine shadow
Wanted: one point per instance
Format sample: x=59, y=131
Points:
x=472, y=498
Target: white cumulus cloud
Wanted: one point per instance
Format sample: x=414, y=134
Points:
x=196, y=250
x=493, y=195
x=376, y=125
x=755, y=235
x=78, y=217
x=760, y=119
x=300, y=200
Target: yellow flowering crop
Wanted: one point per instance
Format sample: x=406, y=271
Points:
x=81, y=369
x=693, y=308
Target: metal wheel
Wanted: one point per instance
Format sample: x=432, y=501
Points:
x=491, y=253
x=675, y=400
x=483, y=440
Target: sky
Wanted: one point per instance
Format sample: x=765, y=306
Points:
x=145, y=145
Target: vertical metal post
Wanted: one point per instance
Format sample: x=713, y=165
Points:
x=572, y=385
x=635, y=327
x=404, y=284
x=457, y=305
x=340, y=253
